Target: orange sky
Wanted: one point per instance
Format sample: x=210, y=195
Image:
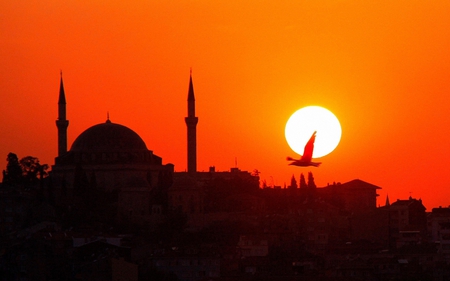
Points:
x=383, y=68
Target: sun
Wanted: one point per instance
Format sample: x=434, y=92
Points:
x=302, y=124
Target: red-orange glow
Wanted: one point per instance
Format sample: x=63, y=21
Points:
x=382, y=67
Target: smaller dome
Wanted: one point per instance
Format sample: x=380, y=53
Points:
x=108, y=137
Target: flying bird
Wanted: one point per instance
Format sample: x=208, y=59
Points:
x=306, y=158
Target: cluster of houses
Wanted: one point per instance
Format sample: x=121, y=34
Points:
x=334, y=232
x=111, y=210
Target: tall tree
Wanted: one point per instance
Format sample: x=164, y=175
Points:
x=264, y=184
x=32, y=170
x=303, y=184
x=311, y=183
x=13, y=173
x=293, y=182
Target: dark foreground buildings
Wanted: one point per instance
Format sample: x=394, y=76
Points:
x=111, y=210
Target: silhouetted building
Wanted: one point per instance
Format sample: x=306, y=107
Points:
x=354, y=196
x=436, y=219
x=186, y=195
x=407, y=222
x=214, y=195
x=110, y=164
x=191, y=123
x=62, y=123
x=321, y=225
x=370, y=226
x=439, y=229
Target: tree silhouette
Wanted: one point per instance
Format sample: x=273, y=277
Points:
x=13, y=173
x=303, y=184
x=264, y=184
x=32, y=170
x=293, y=182
x=311, y=183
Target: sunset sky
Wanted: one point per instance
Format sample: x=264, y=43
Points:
x=382, y=67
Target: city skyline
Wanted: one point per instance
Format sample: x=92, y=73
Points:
x=380, y=68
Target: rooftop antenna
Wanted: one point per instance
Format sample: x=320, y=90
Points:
x=107, y=117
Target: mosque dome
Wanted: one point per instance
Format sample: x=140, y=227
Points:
x=108, y=137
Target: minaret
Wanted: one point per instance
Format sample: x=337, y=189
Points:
x=191, y=123
x=62, y=123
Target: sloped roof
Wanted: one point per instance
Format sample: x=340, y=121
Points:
x=359, y=184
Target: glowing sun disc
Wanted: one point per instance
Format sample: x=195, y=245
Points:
x=302, y=124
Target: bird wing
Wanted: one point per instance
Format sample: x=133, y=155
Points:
x=309, y=147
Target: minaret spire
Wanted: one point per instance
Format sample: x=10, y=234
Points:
x=62, y=123
x=191, y=123
x=62, y=95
